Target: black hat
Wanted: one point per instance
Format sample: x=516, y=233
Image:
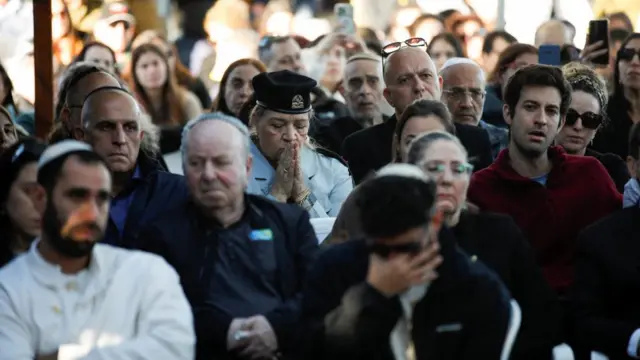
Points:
x=284, y=91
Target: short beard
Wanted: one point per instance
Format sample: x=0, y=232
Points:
x=528, y=153
x=52, y=227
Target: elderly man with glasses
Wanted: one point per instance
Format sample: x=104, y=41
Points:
x=463, y=93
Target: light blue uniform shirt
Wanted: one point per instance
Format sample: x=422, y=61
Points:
x=327, y=178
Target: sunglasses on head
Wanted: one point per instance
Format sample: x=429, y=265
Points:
x=268, y=40
x=395, y=46
x=589, y=120
x=627, y=54
x=33, y=148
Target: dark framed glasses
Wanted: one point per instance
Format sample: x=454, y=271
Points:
x=395, y=46
x=589, y=120
x=627, y=54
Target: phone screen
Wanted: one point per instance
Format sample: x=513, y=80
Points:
x=344, y=18
x=549, y=55
x=599, y=31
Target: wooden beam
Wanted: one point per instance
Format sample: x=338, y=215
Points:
x=43, y=60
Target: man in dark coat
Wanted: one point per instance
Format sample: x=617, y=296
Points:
x=111, y=125
x=409, y=74
x=607, y=280
x=242, y=259
x=381, y=297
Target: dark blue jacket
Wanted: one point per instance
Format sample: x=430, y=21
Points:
x=463, y=316
x=492, y=112
x=185, y=240
x=156, y=192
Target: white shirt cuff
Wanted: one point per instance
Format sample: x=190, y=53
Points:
x=632, y=348
x=72, y=351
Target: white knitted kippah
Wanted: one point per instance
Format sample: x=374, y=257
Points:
x=60, y=149
x=458, y=61
x=402, y=170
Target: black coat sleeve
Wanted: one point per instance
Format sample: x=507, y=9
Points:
x=343, y=321
x=488, y=321
x=541, y=327
x=357, y=165
x=590, y=291
x=284, y=318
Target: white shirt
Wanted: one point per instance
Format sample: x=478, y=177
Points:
x=401, y=338
x=125, y=305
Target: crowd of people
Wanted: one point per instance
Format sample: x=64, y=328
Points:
x=483, y=205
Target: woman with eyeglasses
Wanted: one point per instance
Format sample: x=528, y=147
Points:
x=624, y=104
x=19, y=220
x=493, y=239
x=586, y=116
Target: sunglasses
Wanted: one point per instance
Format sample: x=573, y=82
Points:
x=589, y=120
x=395, y=46
x=627, y=54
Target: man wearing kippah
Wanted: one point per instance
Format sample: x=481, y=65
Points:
x=70, y=297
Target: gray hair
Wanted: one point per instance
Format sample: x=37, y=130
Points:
x=151, y=140
x=449, y=64
x=421, y=144
x=215, y=116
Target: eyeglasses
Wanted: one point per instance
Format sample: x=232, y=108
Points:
x=459, y=94
x=268, y=40
x=395, y=46
x=589, y=120
x=627, y=54
x=458, y=170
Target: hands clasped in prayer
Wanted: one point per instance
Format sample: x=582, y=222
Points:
x=289, y=180
x=252, y=338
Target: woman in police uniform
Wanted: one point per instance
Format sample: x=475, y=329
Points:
x=286, y=167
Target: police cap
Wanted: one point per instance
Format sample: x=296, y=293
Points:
x=283, y=91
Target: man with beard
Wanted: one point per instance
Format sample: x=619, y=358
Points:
x=242, y=258
x=69, y=297
x=551, y=195
x=409, y=75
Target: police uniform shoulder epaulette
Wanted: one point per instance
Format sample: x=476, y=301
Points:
x=330, y=154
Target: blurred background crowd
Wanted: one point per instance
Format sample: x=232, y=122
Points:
x=199, y=39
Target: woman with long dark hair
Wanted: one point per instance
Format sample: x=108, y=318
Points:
x=156, y=88
x=235, y=86
x=19, y=220
x=100, y=54
x=443, y=47
x=624, y=103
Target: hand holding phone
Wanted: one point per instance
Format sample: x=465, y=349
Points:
x=344, y=19
x=596, y=50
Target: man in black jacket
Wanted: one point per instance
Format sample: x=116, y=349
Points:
x=607, y=280
x=409, y=75
x=242, y=259
x=381, y=297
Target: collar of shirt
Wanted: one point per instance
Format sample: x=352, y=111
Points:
x=51, y=275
